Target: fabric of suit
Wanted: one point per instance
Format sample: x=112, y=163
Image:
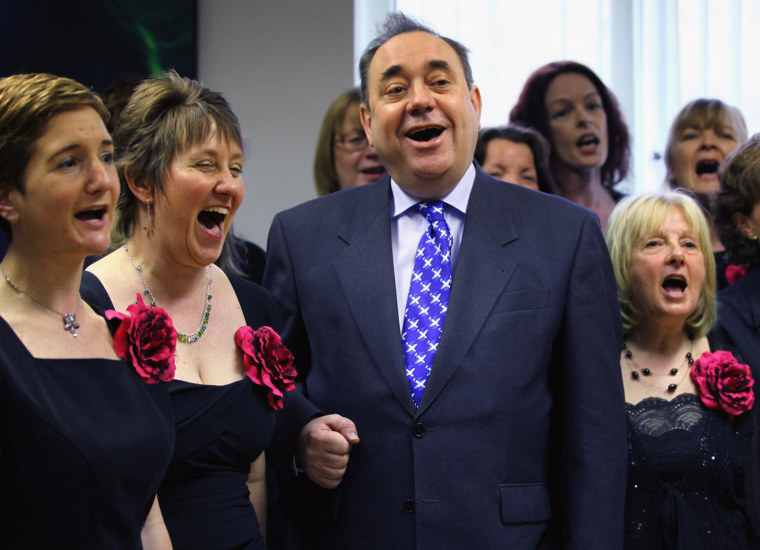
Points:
x=519, y=439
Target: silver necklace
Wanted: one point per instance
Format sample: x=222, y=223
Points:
x=181, y=336
x=689, y=360
x=70, y=323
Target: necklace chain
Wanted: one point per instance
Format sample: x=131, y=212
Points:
x=182, y=337
x=70, y=323
x=688, y=359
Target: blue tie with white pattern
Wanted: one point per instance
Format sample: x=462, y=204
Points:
x=428, y=298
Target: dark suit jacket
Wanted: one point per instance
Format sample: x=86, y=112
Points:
x=519, y=439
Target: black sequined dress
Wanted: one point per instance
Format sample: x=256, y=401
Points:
x=689, y=477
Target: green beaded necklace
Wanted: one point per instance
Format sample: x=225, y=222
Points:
x=181, y=336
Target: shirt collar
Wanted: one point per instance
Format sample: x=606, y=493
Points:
x=456, y=198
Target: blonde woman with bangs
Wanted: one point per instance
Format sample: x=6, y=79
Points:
x=689, y=401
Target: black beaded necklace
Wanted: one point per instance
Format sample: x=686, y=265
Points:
x=689, y=359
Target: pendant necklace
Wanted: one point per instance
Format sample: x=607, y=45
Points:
x=181, y=336
x=688, y=359
x=70, y=323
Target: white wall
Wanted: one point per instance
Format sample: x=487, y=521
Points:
x=279, y=64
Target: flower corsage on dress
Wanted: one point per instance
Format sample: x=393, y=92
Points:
x=267, y=362
x=147, y=339
x=724, y=383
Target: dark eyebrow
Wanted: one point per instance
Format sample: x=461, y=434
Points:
x=439, y=64
x=390, y=72
x=72, y=146
x=394, y=70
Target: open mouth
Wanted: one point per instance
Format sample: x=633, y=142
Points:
x=91, y=214
x=426, y=134
x=588, y=140
x=707, y=166
x=674, y=285
x=213, y=217
x=375, y=170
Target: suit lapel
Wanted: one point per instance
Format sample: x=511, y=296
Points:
x=365, y=272
x=483, y=269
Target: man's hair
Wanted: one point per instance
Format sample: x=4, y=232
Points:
x=399, y=23
x=166, y=115
x=27, y=103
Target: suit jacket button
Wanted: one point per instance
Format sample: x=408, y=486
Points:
x=409, y=506
x=419, y=429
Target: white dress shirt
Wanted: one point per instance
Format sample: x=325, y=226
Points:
x=408, y=226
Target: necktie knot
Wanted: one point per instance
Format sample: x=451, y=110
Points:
x=433, y=211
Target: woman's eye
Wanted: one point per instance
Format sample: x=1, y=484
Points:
x=686, y=136
x=107, y=157
x=593, y=106
x=236, y=170
x=67, y=163
x=561, y=113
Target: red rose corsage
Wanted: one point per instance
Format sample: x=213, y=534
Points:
x=724, y=383
x=267, y=362
x=735, y=273
x=147, y=339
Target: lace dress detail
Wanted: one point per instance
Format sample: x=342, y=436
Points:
x=687, y=477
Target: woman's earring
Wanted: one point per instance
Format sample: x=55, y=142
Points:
x=12, y=217
x=149, y=224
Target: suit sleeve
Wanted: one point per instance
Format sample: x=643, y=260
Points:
x=591, y=402
x=279, y=279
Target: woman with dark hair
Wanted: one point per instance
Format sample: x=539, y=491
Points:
x=85, y=420
x=344, y=157
x=517, y=155
x=579, y=116
x=737, y=222
x=180, y=161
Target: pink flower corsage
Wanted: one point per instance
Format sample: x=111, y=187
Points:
x=724, y=383
x=735, y=272
x=267, y=362
x=146, y=338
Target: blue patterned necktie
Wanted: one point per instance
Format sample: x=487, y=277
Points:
x=428, y=298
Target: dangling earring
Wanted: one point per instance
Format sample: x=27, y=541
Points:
x=12, y=217
x=149, y=224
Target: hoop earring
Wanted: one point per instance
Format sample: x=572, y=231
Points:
x=148, y=227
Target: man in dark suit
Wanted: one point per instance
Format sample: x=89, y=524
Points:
x=506, y=429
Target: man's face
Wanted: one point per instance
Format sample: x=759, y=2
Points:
x=422, y=118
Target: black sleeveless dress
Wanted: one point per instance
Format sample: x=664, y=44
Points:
x=690, y=476
x=84, y=444
x=220, y=431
